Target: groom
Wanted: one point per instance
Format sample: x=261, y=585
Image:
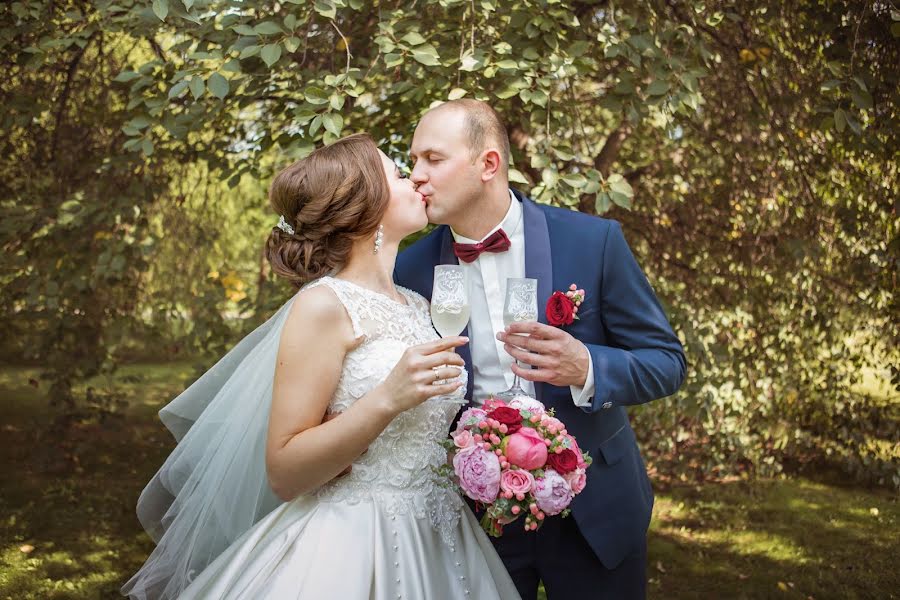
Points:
x=621, y=351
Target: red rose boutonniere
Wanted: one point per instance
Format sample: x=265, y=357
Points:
x=562, y=308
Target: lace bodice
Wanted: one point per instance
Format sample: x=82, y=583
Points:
x=397, y=470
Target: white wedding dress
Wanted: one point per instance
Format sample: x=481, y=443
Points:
x=389, y=529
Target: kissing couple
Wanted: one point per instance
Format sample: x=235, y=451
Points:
x=306, y=458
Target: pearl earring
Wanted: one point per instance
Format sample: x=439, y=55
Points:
x=379, y=238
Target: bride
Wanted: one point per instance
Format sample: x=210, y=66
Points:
x=250, y=504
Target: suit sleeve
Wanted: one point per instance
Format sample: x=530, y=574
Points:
x=644, y=359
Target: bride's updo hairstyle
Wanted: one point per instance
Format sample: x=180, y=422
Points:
x=333, y=197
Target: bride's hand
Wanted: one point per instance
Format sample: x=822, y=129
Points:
x=411, y=382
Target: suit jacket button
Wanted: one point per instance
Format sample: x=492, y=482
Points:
x=606, y=405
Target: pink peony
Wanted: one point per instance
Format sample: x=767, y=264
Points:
x=577, y=479
x=516, y=481
x=479, y=473
x=462, y=438
x=527, y=403
x=552, y=493
x=471, y=416
x=525, y=449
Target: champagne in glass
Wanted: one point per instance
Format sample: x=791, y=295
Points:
x=450, y=300
x=519, y=305
x=450, y=308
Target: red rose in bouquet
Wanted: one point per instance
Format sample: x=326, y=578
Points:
x=563, y=462
x=507, y=416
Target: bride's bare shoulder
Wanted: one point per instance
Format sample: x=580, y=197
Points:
x=317, y=311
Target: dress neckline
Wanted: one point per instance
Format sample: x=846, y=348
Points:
x=401, y=289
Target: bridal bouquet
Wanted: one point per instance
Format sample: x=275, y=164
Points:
x=516, y=459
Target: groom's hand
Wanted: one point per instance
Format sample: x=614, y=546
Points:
x=559, y=359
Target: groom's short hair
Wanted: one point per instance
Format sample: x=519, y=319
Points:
x=483, y=126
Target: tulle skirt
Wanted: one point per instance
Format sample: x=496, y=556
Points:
x=311, y=549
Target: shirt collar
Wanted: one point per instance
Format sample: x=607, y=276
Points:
x=510, y=223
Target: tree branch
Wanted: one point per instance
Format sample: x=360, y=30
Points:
x=67, y=90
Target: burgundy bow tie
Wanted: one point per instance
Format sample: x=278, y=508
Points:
x=496, y=242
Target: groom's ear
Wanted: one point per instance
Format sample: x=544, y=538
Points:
x=491, y=164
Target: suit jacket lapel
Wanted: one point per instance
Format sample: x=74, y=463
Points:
x=449, y=258
x=538, y=262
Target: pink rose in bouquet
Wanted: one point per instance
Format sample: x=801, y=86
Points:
x=577, y=479
x=516, y=460
x=462, y=438
x=516, y=482
x=526, y=449
x=552, y=493
x=479, y=473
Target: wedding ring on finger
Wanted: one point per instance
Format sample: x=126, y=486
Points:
x=437, y=375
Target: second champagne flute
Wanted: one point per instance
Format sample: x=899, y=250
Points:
x=519, y=305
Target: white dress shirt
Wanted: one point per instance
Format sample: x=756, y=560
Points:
x=487, y=275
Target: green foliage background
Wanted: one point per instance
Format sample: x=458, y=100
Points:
x=749, y=149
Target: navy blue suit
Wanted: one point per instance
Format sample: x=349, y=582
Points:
x=636, y=357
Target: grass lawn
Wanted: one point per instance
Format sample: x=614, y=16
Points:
x=68, y=530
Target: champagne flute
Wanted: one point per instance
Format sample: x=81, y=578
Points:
x=450, y=308
x=519, y=305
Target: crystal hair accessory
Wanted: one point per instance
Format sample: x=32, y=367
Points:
x=284, y=226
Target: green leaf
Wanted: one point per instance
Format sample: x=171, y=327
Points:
x=507, y=64
x=427, y=55
x=620, y=199
x=176, y=89
x=658, y=88
x=161, y=10
x=126, y=76
x=291, y=44
x=413, y=38
x=268, y=28
x=197, y=87
x=244, y=29
x=315, y=95
x=326, y=8
x=139, y=122
x=249, y=51
x=516, y=176
x=336, y=101
x=218, y=85
x=270, y=54
x=602, y=203
x=619, y=185
x=508, y=92
x=840, y=120
x=456, y=93
x=333, y=122
x=862, y=99
x=550, y=177
x=576, y=180
x=393, y=60
x=290, y=22
x=470, y=63
x=147, y=147
x=315, y=125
